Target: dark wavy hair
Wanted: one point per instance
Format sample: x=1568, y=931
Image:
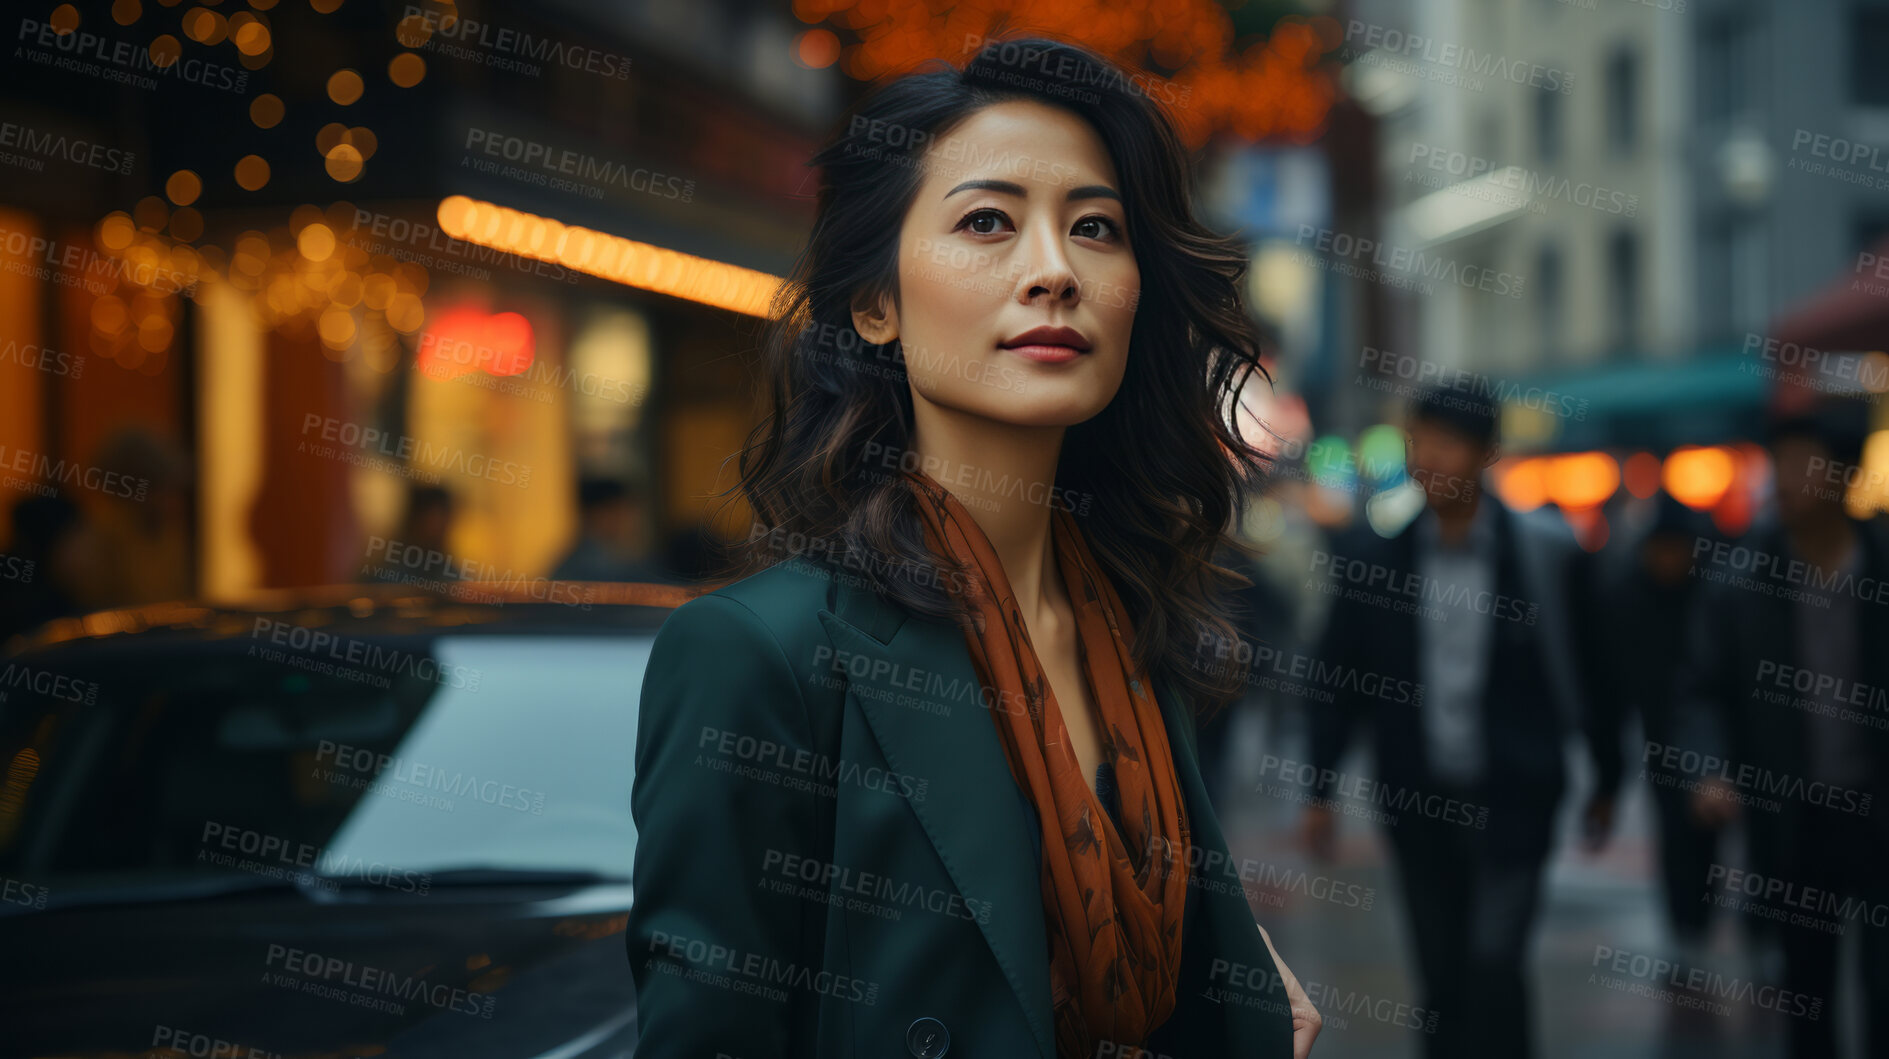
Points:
x=1162, y=467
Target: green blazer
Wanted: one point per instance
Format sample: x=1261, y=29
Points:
x=833, y=859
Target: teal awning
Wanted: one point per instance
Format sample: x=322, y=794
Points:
x=1715, y=396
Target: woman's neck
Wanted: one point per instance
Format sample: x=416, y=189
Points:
x=1003, y=475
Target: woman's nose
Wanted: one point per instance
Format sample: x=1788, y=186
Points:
x=1047, y=269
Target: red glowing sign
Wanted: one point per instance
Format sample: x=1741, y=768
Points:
x=469, y=339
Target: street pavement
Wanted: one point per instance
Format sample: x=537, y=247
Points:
x=1356, y=964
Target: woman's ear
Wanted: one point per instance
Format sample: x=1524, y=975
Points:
x=876, y=321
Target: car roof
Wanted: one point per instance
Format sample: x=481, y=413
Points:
x=369, y=610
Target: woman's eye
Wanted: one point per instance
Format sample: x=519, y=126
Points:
x=976, y=219
x=989, y=222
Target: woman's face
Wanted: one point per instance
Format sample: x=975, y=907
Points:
x=1018, y=225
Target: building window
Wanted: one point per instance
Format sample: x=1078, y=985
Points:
x=1548, y=318
x=1547, y=125
x=1489, y=138
x=1751, y=276
x=1716, y=319
x=1726, y=69
x=1869, y=39
x=1623, y=101
x=1623, y=285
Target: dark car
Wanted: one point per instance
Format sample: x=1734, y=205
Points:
x=361, y=821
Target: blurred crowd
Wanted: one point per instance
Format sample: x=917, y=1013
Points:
x=1470, y=646
x=1743, y=680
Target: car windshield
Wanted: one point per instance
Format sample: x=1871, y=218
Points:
x=473, y=755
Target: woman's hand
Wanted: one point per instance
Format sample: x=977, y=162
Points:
x=1306, y=1021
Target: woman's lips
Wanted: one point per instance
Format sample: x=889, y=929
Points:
x=1046, y=354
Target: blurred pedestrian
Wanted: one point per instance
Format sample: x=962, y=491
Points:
x=693, y=555
x=416, y=552
x=1263, y=616
x=609, y=520
x=1783, y=685
x=1648, y=595
x=1478, y=609
x=142, y=519
x=43, y=567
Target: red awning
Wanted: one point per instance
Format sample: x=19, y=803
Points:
x=1850, y=314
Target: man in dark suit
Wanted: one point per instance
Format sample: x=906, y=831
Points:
x=1490, y=615
x=1784, y=703
x=1649, y=592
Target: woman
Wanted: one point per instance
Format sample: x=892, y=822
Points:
x=995, y=472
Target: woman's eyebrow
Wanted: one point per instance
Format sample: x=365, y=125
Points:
x=1087, y=191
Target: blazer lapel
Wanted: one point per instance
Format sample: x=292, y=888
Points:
x=982, y=826
x=1220, y=925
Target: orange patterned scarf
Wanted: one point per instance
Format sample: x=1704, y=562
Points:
x=1112, y=902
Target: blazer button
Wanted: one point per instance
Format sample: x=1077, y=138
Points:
x=927, y=1038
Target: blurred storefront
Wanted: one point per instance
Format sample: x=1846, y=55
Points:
x=265, y=283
